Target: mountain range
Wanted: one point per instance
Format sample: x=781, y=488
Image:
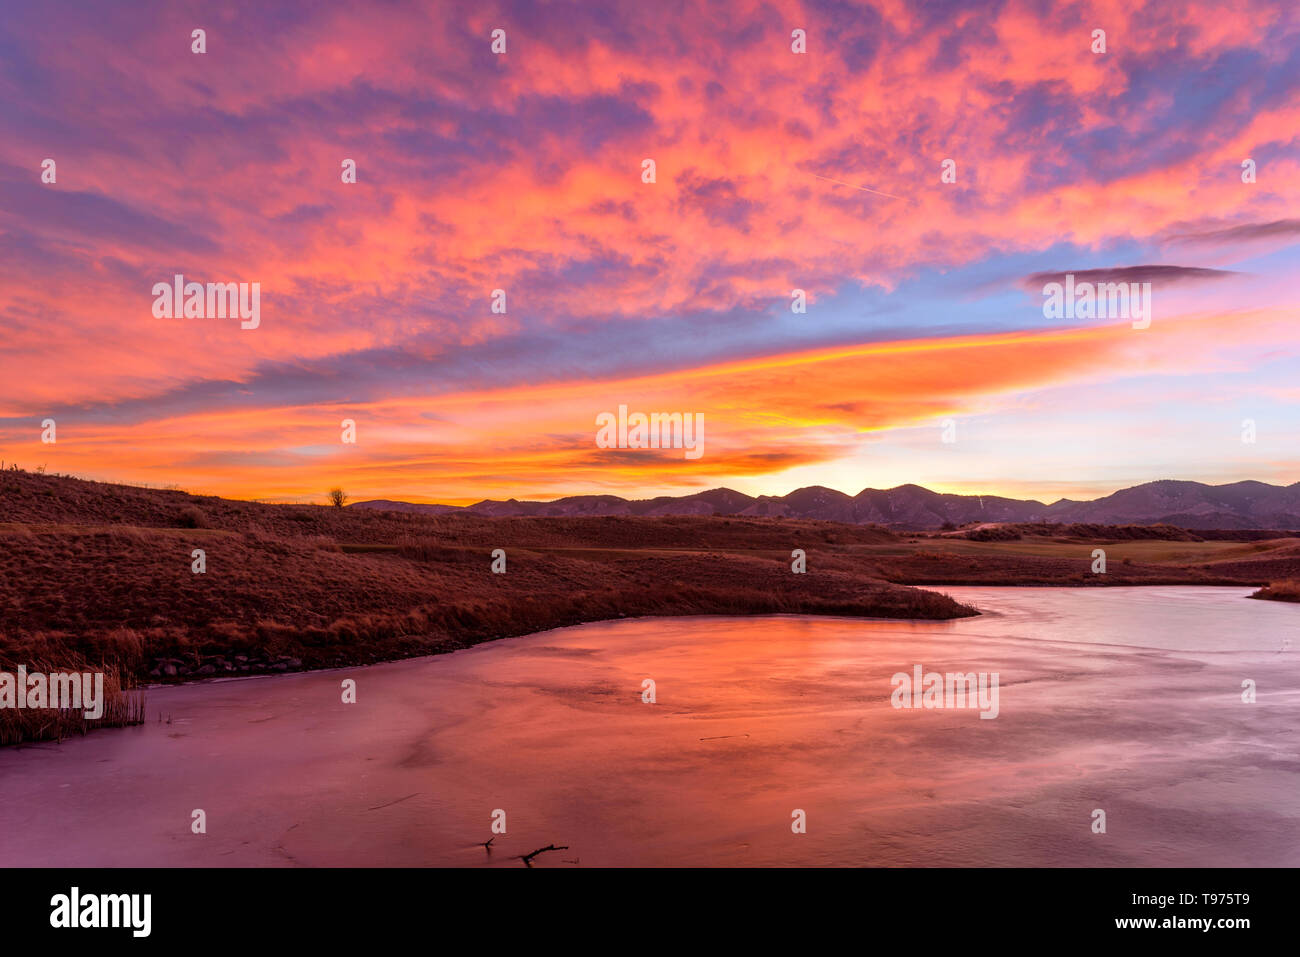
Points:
x=1187, y=504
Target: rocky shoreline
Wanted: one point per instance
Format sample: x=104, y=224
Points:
x=213, y=665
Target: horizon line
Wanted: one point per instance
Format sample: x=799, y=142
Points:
x=760, y=497
x=311, y=499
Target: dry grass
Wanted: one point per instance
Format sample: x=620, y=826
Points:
x=269, y=598
x=124, y=705
x=1280, y=591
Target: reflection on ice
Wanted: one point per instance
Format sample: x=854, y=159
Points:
x=1126, y=700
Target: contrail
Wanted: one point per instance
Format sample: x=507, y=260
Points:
x=865, y=189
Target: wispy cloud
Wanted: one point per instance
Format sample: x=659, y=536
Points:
x=1166, y=275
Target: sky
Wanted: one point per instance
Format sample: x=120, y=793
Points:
x=925, y=354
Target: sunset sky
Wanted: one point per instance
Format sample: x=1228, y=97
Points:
x=523, y=172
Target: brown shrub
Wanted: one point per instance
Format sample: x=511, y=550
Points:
x=1288, y=590
x=192, y=517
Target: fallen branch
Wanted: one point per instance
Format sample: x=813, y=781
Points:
x=528, y=858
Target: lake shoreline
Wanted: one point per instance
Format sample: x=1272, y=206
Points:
x=1127, y=700
x=171, y=587
x=445, y=647
x=199, y=679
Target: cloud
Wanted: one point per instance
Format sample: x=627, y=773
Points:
x=1245, y=232
x=522, y=172
x=1165, y=275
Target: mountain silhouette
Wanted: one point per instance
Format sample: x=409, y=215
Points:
x=1188, y=504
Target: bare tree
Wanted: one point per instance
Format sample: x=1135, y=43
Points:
x=338, y=497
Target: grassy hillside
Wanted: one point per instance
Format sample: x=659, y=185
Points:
x=100, y=572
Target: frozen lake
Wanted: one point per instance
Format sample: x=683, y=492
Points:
x=1127, y=700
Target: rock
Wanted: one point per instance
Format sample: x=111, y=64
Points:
x=241, y=659
x=279, y=666
x=293, y=662
x=206, y=670
x=169, y=670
